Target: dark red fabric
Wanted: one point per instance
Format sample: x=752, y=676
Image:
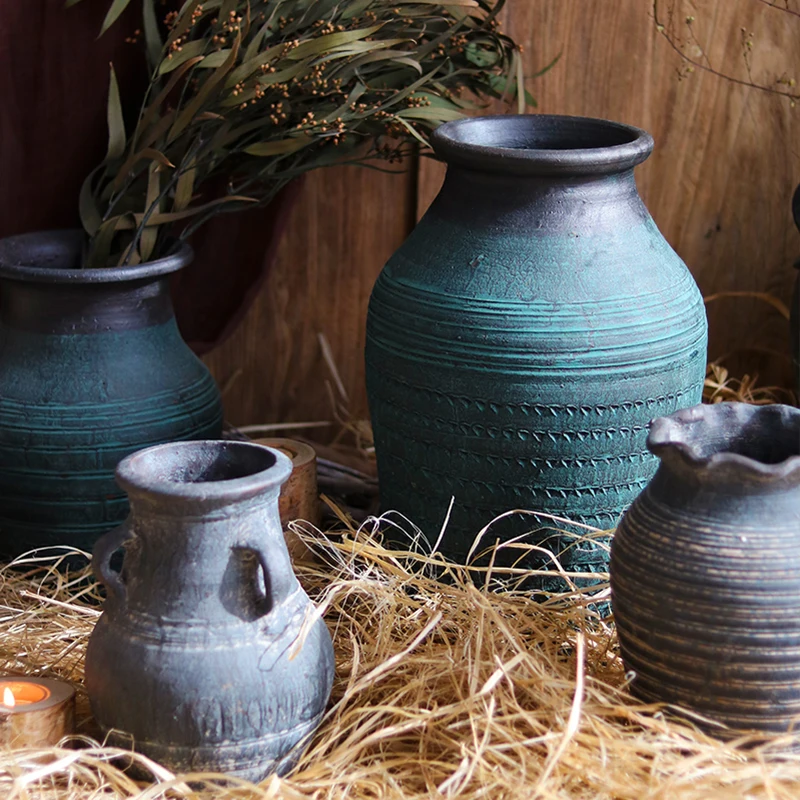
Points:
x=53, y=91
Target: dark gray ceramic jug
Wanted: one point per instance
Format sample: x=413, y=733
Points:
x=705, y=567
x=208, y=654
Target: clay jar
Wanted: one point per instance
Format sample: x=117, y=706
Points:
x=207, y=656
x=522, y=338
x=705, y=567
x=92, y=368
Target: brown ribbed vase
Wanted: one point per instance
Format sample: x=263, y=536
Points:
x=705, y=567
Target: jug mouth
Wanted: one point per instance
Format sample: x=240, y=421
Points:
x=204, y=470
x=55, y=257
x=542, y=144
x=763, y=441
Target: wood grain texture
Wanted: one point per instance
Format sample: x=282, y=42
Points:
x=346, y=224
x=718, y=185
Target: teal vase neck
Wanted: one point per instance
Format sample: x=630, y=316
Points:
x=515, y=202
x=559, y=174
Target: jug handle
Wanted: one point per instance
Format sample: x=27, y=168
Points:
x=104, y=548
x=279, y=577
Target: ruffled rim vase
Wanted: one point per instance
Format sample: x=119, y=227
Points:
x=705, y=568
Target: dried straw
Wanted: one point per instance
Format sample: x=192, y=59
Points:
x=443, y=689
x=721, y=387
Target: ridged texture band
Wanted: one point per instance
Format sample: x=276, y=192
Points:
x=250, y=760
x=497, y=429
x=57, y=481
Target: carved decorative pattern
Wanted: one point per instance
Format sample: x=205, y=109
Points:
x=427, y=395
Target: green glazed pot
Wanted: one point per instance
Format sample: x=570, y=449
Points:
x=92, y=368
x=522, y=338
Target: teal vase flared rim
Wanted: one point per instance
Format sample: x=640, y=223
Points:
x=542, y=144
x=55, y=257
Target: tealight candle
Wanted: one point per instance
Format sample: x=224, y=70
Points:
x=35, y=712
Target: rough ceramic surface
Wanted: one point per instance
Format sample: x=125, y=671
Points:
x=525, y=334
x=207, y=653
x=705, y=567
x=92, y=368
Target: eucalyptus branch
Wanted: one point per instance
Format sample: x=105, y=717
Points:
x=262, y=91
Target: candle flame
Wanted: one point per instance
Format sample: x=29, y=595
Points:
x=8, y=698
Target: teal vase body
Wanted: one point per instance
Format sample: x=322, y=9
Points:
x=92, y=368
x=522, y=338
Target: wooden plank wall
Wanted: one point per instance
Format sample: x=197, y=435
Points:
x=719, y=186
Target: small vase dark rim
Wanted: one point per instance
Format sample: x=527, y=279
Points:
x=154, y=470
x=517, y=144
x=683, y=432
x=67, y=245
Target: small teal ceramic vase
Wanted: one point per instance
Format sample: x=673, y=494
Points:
x=92, y=368
x=522, y=338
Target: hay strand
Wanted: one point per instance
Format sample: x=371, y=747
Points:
x=443, y=689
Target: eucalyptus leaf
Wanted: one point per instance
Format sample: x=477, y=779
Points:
x=91, y=218
x=278, y=148
x=117, y=7
x=324, y=44
x=214, y=60
x=152, y=36
x=481, y=56
x=187, y=52
x=433, y=114
x=184, y=187
x=352, y=9
x=116, y=123
x=147, y=240
x=102, y=241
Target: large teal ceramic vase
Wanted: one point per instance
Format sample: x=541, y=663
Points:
x=522, y=338
x=92, y=368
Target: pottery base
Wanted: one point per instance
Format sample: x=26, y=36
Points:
x=250, y=761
